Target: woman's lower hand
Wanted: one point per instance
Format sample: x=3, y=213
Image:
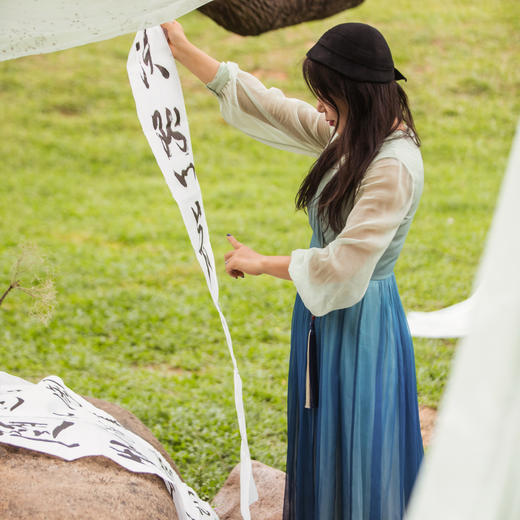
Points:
x=242, y=259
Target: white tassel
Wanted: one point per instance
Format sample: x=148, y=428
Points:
x=308, y=374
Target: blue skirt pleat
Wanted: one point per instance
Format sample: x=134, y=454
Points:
x=356, y=455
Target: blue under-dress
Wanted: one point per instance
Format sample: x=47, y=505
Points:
x=356, y=455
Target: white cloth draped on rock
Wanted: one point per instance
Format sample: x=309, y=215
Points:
x=49, y=417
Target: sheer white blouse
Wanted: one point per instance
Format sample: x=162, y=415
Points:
x=336, y=274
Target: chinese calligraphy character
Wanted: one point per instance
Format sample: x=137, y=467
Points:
x=36, y=431
x=61, y=393
x=167, y=134
x=11, y=405
x=202, y=510
x=181, y=177
x=200, y=230
x=127, y=451
x=146, y=60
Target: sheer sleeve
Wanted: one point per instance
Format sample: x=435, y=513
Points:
x=337, y=276
x=267, y=115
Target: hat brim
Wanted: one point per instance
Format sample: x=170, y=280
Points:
x=350, y=69
x=398, y=75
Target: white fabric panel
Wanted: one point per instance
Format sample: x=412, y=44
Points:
x=472, y=469
x=267, y=115
x=160, y=106
x=450, y=322
x=337, y=276
x=35, y=27
x=50, y=418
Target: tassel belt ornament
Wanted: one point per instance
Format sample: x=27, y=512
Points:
x=311, y=376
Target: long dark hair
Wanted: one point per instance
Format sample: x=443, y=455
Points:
x=374, y=111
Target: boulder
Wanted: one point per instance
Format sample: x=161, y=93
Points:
x=37, y=486
x=270, y=484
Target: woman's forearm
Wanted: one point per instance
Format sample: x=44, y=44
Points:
x=276, y=266
x=197, y=61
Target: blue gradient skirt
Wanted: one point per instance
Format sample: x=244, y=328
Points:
x=356, y=455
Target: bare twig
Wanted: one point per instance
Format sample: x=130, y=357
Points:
x=29, y=265
x=9, y=289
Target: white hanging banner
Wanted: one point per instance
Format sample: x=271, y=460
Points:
x=30, y=27
x=472, y=469
x=160, y=108
x=50, y=418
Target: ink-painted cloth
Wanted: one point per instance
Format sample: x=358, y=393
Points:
x=356, y=454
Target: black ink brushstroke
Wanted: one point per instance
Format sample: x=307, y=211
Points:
x=15, y=434
x=163, y=71
x=129, y=453
x=19, y=403
x=61, y=427
x=181, y=177
x=198, y=214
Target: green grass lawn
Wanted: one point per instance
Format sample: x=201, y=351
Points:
x=134, y=322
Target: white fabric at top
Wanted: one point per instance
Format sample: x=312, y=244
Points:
x=35, y=27
x=335, y=276
x=472, y=469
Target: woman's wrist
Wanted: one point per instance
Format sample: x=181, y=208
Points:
x=264, y=264
x=277, y=266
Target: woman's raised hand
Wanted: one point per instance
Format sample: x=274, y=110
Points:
x=198, y=62
x=176, y=38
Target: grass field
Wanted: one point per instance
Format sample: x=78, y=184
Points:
x=134, y=322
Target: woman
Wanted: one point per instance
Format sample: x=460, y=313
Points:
x=354, y=441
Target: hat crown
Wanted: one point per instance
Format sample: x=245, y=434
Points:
x=357, y=51
x=360, y=43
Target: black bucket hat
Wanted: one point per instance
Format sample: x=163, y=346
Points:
x=357, y=51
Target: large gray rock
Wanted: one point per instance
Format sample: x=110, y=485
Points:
x=37, y=486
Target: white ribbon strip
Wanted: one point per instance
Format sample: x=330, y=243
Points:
x=450, y=322
x=51, y=418
x=160, y=108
